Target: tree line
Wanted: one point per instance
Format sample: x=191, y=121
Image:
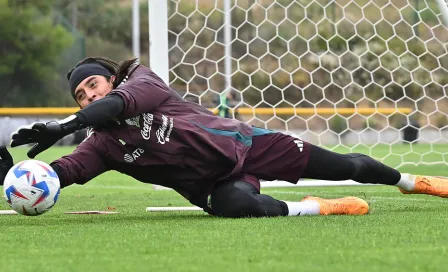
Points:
x=41, y=40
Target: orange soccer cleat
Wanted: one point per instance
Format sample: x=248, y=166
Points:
x=436, y=186
x=348, y=205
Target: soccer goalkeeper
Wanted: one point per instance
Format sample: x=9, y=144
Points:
x=141, y=127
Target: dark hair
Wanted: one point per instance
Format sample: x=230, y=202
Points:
x=120, y=70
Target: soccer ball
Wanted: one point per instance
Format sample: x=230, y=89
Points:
x=31, y=187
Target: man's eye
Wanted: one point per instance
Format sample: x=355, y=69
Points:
x=92, y=84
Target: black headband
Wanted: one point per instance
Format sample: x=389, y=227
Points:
x=83, y=71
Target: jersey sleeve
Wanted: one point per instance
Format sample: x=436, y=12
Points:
x=85, y=163
x=143, y=93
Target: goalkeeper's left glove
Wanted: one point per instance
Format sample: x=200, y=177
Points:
x=45, y=135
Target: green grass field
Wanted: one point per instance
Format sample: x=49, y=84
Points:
x=402, y=233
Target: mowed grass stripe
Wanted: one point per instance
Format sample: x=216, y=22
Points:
x=402, y=233
x=404, y=236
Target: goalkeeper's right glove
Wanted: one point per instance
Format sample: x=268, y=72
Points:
x=43, y=136
x=6, y=163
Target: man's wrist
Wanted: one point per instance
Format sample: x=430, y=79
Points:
x=71, y=124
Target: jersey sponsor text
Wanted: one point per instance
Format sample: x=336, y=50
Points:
x=147, y=123
x=134, y=155
x=160, y=133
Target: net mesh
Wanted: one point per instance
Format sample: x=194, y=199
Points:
x=322, y=55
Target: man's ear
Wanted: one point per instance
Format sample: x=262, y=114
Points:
x=112, y=79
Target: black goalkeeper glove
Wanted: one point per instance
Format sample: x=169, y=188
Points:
x=6, y=162
x=43, y=136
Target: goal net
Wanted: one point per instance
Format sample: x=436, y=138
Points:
x=349, y=75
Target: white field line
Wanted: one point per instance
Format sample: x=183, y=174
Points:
x=311, y=183
x=326, y=193
x=121, y=187
x=409, y=199
x=150, y=186
x=300, y=183
x=332, y=194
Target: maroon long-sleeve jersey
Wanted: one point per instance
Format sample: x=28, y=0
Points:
x=161, y=139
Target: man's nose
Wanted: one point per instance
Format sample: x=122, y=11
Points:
x=92, y=98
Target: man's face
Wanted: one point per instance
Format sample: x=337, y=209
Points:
x=92, y=88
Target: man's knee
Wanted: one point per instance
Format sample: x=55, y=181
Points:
x=235, y=200
x=234, y=209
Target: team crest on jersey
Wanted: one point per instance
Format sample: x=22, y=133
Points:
x=147, y=124
x=134, y=121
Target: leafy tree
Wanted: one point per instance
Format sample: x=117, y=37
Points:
x=30, y=47
x=106, y=24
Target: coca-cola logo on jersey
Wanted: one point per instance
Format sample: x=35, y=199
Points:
x=147, y=123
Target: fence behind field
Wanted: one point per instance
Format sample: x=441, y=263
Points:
x=12, y=118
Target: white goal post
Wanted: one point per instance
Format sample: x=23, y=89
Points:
x=350, y=75
x=443, y=6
